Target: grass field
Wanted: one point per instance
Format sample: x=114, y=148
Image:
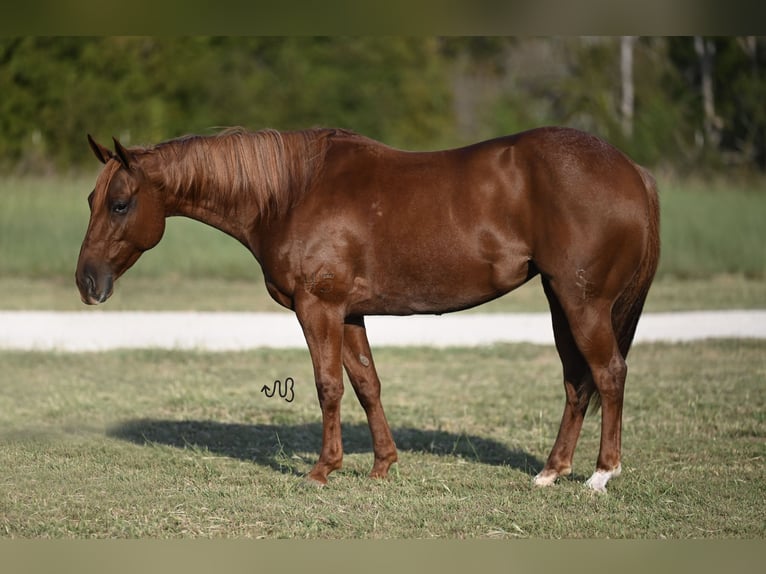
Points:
x=172, y=444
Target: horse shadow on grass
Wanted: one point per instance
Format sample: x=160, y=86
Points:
x=272, y=444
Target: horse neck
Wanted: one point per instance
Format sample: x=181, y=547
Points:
x=231, y=182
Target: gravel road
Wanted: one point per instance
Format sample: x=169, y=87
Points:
x=102, y=330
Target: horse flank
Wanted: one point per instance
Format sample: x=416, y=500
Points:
x=272, y=168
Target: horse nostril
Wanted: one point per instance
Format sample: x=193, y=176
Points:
x=90, y=283
x=108, y=284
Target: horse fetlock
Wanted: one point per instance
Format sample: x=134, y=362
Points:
x=321, y=470
x=316, y=480
x=382, y=465
x=380, y=470
x=545, y=478
x=597, y=481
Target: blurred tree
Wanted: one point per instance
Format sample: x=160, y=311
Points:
x=740, y=82
x=394, y=89
x=728, y=114
x=147, y=89
x=711, y=122
x=626, y=80
x=694, y=103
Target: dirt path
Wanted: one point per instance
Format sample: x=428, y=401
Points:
x=99, y=330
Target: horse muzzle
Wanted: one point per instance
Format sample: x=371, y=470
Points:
x=95, y=287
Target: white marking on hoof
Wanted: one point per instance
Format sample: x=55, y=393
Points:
x=597, y=481
x=544, y=478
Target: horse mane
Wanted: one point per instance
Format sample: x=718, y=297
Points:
x=271, y=168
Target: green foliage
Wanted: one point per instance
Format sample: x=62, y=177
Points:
x=411, y=92
x=145, y=90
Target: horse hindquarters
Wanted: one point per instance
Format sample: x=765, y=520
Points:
x=593, y=335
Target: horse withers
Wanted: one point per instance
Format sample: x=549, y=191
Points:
x=344, y=227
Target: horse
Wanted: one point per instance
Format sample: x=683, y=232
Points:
x=344, y=226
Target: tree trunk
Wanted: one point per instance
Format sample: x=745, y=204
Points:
x=626, y=73
x=711, y=123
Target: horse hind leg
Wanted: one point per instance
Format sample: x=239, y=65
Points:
x=591, y=328
x=578, y=386
x=359, y=365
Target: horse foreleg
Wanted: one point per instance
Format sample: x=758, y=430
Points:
x=357, y=359
x=324, y=335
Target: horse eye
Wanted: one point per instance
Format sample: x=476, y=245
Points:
x=120, y=207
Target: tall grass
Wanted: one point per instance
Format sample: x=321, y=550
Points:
x=41, y=224
x=706, y=230
x=713, y=230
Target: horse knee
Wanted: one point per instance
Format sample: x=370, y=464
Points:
x=329, y=391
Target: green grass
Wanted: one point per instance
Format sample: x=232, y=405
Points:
x=712, y=230
x=172, y=444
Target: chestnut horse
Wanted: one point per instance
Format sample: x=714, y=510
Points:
x=344, y=226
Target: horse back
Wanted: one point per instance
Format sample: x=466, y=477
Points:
x=429, y=232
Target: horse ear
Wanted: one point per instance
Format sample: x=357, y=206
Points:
x=103, y=154
x=125, y=157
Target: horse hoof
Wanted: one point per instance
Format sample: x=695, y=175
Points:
x=545, y=478
x=318, y=482
x=597, y=481
x=380, y=471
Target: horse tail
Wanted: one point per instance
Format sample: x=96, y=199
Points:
x=629, y=305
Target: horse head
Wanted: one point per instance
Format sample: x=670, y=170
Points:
x=127, y=217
